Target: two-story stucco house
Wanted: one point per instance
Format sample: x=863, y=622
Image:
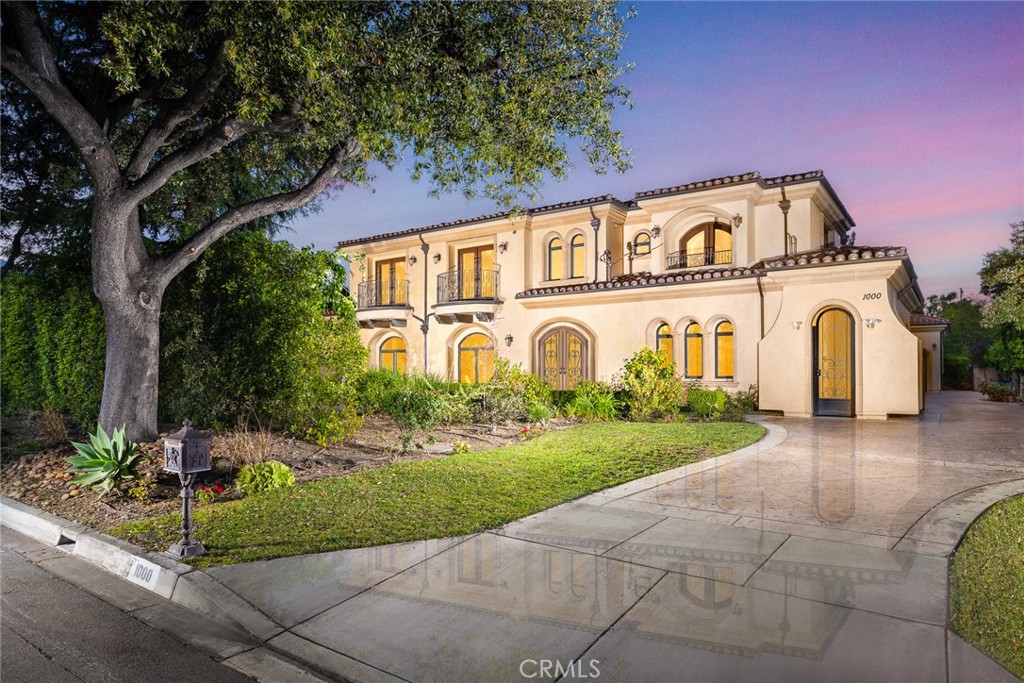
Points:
x=741, y=280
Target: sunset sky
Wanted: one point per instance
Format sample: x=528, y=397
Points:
x=915, y=111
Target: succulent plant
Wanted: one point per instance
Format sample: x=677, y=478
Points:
x=106, y=461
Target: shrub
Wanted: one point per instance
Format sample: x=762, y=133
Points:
x=593, y=401
x=651, y=386
x=746, y=401
x=461, y=448
x=246, y=446
x=510, y=394
x=1001, y=393
x=106, y=461
x=706, y=403
x=51, y=425
x=264, y=476
x=538, y=412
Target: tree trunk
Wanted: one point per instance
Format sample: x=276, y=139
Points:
x=131, y=377
x=131, y=294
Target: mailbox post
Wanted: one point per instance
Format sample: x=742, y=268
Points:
x=186, y=453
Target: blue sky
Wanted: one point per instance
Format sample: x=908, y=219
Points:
x=915, y=111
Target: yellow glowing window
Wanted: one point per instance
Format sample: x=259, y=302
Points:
x=555, y=259
x=476, y=359
x=724, y=351
x=392, y=355
x=642, y=244
x=694, y=359
x=577, y=257
x=663, y=341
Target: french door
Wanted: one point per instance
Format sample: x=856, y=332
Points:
x=476, y=273
x=563, y=358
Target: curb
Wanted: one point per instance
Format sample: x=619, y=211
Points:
x=167, y=578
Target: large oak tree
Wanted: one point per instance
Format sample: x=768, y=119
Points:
x=192, y=119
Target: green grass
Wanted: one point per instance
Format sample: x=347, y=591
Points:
x=987, y=584
x=459, y=494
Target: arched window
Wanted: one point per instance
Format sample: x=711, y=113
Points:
x=706, y=245
x=476, y=359
x=555, y=259
x=642, y=244
x=693, y=361
x=392, y=355
x=663, y=341
x=723, y=350
x=577, y=257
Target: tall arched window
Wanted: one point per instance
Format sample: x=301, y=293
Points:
x=663, y=341
x=392, y=355
x=706, y=245
x=577, y=257
x=476, y=359
x=724, y=350
x=555, y=259
x=642, y=244
x=693, y=361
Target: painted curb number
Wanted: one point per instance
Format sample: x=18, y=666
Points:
x=143, y=572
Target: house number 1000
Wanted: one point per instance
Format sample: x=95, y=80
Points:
x=872, y=295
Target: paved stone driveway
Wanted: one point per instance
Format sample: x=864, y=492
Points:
x=818, y=554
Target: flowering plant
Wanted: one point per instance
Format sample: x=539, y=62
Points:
x=207, y=494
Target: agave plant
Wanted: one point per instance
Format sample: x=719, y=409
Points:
x=106, y=461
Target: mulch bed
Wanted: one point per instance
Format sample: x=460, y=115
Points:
x=36, y=475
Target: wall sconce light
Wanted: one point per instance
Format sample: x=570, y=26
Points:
x=412, y=260
x=508, y=339
x=797, y=324
x=871, y=322
x=437, y=258
x=737, y=221
x=935, y=347
x=502, y=247
x=656, y=231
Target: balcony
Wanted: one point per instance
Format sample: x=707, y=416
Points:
x=699, y=258
x=383, y=303
x=468, y=295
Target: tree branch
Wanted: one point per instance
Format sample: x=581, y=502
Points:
x=193, y=248
x=32, y=62
x=176, y=113
x=15, y=249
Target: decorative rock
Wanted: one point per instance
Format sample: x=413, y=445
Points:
x=75, y=492
x=65, y=496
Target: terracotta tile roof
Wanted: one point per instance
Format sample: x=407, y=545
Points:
x=920, y=319
x=836, y=255
x=750, y=177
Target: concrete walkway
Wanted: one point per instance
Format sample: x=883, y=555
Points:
x=818, y=554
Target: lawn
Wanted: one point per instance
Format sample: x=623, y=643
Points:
x=987, y=584
x=459, y=494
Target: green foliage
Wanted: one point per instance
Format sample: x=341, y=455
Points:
x=1001, y=393
x=510, y=396
x=707, y=404
x=461, y=448
x=439, y=498
x=956, y=372
x=106, y=461
x=245, y=333
x=1007, y=354
x=538, y=412
x=593, y=401
x=414, y=402
x=511, y=378
x=744, y=401
x=987, y=584
x=264, y=476
x=1002, y=278
x=966, y=342
x=52, y=342
x=651, y=385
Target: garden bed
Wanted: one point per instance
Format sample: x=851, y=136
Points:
x=36, y=475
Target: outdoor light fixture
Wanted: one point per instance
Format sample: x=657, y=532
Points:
x=412, y=260
x=186, y=453
x=596, y=225
x=871, y=322
x=656, y=231
x=437, y=257
x=502, y=247
x=797, y=324
x=508, y=339
x=737, y=221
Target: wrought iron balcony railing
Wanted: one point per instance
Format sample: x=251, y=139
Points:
x=382, y=293
x=698, y=258
x=468, y=285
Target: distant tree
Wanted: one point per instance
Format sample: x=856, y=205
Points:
x=193, y=118
x=965, y=342
x=1002, y=278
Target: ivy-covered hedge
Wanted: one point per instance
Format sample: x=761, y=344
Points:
x=242, y=334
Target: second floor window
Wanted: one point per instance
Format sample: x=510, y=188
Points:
x=390, y=288
x=642, y=244
x=555, y=259
x=577, y=259
x=706, y=245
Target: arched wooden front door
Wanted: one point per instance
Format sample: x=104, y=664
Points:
x=562, y=357
x=833, y=363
